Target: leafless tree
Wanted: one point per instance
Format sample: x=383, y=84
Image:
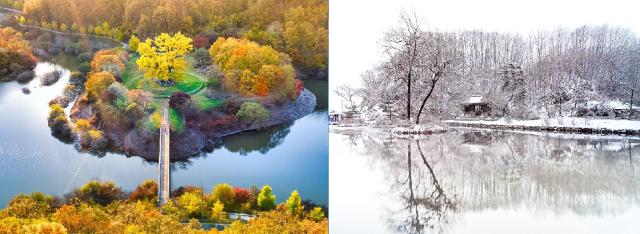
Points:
x=348, y=94
x=401, y=46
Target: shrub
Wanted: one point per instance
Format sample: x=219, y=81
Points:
x=140, y=97
x=147, y=191
x=15, y=67
x=59, y=123
x=241, y=198
x=133, y=43
x=252, y=112
x=102, y=193
x=45, y=37
x=29, y=207
x=85, y=57
x=84, y=67
x=317, y=214
x=98, y=141
x=294, y=204
x=154, y=121
x=82, y=218
x=223, y=193
x=201, y=41
x=179, y=100
x=266, y=200
x=191, y=203
x=220, y=122
x=110, y=63
x=77, y=78
x=216, y=213
x=213, y=82
x=201, y=57
x=116, y=94
x=97, y=84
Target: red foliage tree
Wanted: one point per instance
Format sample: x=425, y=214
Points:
x=201, y=41
x=299, y=87
x=241, y=195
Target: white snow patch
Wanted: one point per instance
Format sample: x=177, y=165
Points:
x=418, y=129
x=614, y=105
x=475, y=100
x=610, y=124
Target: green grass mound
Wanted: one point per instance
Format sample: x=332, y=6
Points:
x=175, y=120
x=133, y=78
x=205, y=103
x=189, y=84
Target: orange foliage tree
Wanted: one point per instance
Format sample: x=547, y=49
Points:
x=11, y=40
x=98, y=83
x=253, y=70
x=111, y=60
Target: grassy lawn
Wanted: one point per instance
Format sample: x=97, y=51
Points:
x=192, y=83
x=133, y=78
x=176, y=120
x=205, y=103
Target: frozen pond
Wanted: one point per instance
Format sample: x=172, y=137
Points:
x=480, y=181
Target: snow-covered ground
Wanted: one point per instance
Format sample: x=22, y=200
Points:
x=566, y=123
x=418, y=129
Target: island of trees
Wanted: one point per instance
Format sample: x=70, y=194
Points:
x=236, y=85
x=222, y=67
x=103, y=207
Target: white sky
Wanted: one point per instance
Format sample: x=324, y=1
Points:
x=357, y=26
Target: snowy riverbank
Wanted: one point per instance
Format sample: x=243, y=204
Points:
x=564, y=124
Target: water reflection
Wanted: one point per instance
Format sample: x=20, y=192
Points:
x=261, y=141
x=436, y=182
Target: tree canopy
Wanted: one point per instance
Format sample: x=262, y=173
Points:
x=297, y=27
x=163, y=57
x=253, y=70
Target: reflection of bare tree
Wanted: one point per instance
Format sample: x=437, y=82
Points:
x=426, y=202
x=438, y=176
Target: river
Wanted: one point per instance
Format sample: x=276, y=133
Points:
x=483, y=181
x=288, y=157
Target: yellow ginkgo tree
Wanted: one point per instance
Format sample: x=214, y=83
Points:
x=163, y=57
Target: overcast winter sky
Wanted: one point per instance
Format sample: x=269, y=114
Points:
x=357, y=26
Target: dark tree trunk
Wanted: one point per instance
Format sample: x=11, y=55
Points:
x=424, y=101
x=409, y=96
x=631, y=104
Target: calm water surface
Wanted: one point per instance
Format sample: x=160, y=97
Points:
x=287, y=157
x=480, y=181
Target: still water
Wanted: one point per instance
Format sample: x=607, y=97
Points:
x=481, y=181
x=288, y=157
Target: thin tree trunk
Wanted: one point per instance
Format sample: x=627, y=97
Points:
x=631, y=104
x=409, y=96
x=424, y=101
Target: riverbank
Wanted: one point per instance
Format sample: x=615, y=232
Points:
x=564, y=124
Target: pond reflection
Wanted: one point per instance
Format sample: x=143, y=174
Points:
x=448, y=182
x=261, y=141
